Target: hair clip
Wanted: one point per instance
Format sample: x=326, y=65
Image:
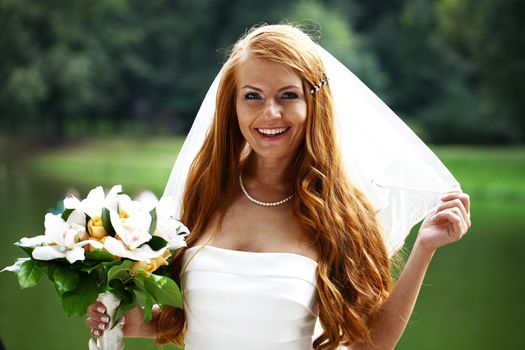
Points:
x=318, y=86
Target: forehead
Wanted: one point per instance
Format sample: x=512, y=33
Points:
x=266, y=73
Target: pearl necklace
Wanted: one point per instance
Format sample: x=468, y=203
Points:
x=264, y=204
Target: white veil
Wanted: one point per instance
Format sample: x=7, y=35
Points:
x=397, y=172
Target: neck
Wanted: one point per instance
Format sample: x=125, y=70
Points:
x=269, y=172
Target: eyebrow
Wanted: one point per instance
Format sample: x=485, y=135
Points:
x=283, y=88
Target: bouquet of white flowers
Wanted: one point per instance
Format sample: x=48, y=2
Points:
x=108, y=247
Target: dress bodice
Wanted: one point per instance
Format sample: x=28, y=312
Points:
x=236, y=300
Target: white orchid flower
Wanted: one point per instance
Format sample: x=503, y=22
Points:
x=132, y=230
x=62, y=239
x=168, y=228
x=131, y=226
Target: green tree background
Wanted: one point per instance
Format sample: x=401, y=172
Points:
x=452, y=69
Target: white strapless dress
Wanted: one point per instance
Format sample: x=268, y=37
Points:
x=236, y=300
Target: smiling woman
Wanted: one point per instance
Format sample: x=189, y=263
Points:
x=291, y=223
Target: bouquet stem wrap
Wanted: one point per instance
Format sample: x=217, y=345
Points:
x=112, y=339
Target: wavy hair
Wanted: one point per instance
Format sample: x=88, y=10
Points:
x=353, y=276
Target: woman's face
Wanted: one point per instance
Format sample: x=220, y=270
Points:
x=271, y=108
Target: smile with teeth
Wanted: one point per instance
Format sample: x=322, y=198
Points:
x=272, y=132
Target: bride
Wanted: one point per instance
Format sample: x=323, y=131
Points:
x=298, y=185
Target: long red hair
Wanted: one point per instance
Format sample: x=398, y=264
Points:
x=353, y=276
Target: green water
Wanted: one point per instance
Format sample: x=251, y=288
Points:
x=471, y=298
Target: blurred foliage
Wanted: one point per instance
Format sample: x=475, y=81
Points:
x=453, y=68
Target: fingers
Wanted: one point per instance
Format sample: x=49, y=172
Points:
x=461, y=201
x=97, y=319
x=454, y=216
x=463, y=197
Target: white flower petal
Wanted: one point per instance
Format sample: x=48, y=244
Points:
x=33, y=241
x=71, y=202
x=117, y=225
x=183, y=230
x=124, y=203
x=93, y=203
x=115, y=247
x=165, y=207
x=77, y=217
x=143, y=253
x=16, y=266
x=130, y=206
x=77, y=253
x=94, y=244
x=176, y=242
x=73, y=234
x=133, y=231
x=54, y=228
x=49, y=252
x=111, y=200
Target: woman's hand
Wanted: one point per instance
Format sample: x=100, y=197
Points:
x=447, y=224
x=134, y=326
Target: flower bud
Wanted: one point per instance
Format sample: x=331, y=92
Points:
x=151, y=264
x=96, y=229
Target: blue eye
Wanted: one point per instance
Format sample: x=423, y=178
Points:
x=289, y=95
x=252, y=96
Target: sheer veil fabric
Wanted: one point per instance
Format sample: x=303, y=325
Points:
x=397, y=172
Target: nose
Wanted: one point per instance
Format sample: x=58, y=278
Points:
x=272, y=109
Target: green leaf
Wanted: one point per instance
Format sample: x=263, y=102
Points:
x=119, y=289
x=27, y=250
x=121, y=271
x=106, y=222
x=104, y=265
x=66, y=280
x=143, y=298
x=99, y=255
x=165, y=269
x=148, y=306
x=157, y=243
x=153, y=225
x=29, y=274
x=163, y=290
x=66, y=213
x=75, y=303
x=50, y=269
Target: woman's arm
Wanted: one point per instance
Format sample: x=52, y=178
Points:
x=449, y=224
x=390, y=320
